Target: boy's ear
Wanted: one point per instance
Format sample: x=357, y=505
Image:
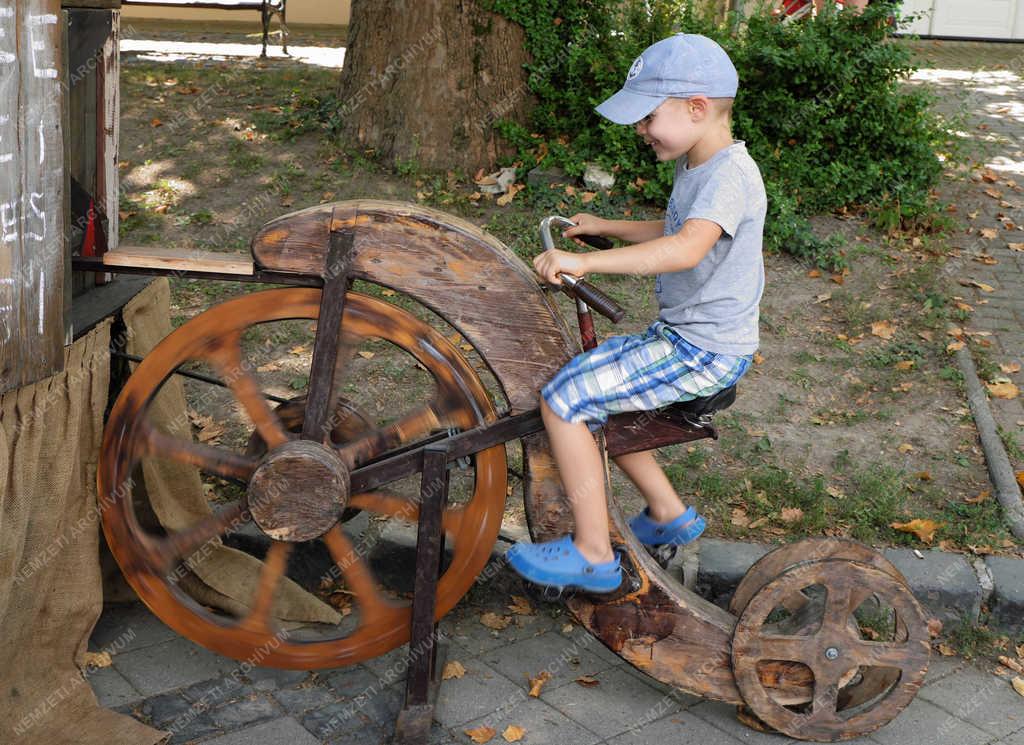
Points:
x=699, y=106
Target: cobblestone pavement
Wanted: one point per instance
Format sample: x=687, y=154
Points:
x=168, y=682
x=983, y=85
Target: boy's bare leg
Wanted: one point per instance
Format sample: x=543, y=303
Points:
x=643, y=470
x=582, y=471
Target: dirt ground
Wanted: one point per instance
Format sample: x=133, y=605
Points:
x=853, y=418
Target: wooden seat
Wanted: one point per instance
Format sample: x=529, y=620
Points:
x=636, y=431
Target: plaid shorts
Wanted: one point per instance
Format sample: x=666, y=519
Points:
x=639, y=372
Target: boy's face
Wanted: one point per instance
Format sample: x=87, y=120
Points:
x=673, y=128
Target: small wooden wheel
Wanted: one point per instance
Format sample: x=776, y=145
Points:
x=776, y=561
x=278, y=480
x=833, y=650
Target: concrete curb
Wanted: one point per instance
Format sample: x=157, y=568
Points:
x=999, y=468
x=948, y=586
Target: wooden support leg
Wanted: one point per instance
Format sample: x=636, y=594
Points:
x=426, y=655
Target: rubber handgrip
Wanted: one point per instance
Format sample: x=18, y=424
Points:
x=596, y=241
x=599, y=301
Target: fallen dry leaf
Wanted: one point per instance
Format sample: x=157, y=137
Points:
x=975, y=283
x=989, y=233
x=387, y=293
x=934, y=627
x=154, y=122
x=452, y=669
x=982, y=496
x=924, y=475
x=98, y=659
x=494, y=621
x=923, y=529
x=883, y=329
x=994, y=193
x=740, y=518
x=366, y=355
x=588, y=681
x=758, y=358
x=210, y=433
x=537, y=683
x=905, y=365
x=567, y=629
x=513, y=733
x=510, y=194
x=905, y=448
x=521, y=606
x=954, y=346
x=946, y=651
x=1015, y=246
x=1011, y=368
x=791, y=514
x=1003, y=389
x=1012, y=664
x=814, y=273
x=1020, y=483
x=480, y=734
x=1018, y=685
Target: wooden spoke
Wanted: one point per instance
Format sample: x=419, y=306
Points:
x=274, y=565
x=374, y=605
x=224, y=463
x=785, y=648
x=881, y=654
x=183, y=544
x=410, y=427
x=837, y=608
x=403, y=509
x=240, y=380
x=826, y=699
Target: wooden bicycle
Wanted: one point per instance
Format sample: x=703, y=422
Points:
x=790, y=647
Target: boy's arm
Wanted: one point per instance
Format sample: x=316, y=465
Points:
x=630, y=231
x=668, y=253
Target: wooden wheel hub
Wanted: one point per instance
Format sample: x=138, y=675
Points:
x=299, y=491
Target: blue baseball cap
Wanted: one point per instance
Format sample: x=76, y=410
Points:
x=681, y=66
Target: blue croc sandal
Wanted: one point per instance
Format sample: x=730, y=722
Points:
x=560, y=564
x=684, y=529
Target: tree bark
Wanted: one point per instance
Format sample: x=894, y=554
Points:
x=424, y=81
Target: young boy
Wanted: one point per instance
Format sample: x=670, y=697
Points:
x=706, y=254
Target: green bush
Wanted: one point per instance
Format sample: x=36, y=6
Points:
x=821, y=106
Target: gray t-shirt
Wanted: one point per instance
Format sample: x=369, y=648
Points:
x=715, y=304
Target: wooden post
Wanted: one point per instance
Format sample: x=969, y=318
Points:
x=32, y=239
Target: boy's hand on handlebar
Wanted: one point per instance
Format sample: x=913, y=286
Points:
x=553, y=262
x=586, y=224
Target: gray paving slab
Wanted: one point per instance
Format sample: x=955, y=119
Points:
x=300, y=699
x=619, y=702
x=284, y=731
x=544, y=725
x=980, y=698
x=675, y=728
x=940, y=667
x=1016, y=738
x=269, y=679
x=342, y=722
x=480, y=692
x=168, y=665
x=923, y=722
x=238, y=714
x=111, y=688
x=467, y=631
x=685, y=699
x=723, y=717
x=565, y=657
x=129, y=627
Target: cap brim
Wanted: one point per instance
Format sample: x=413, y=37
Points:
x=626, y=107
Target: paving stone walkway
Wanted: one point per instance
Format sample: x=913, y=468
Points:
x=983, y=84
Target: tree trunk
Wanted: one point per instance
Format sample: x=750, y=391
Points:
x=425, y=81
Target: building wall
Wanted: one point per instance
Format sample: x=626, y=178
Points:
x=333, y=12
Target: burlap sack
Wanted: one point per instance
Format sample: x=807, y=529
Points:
x=50, y=592
x=176, y=493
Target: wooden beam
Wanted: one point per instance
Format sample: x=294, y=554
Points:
x=184, y=259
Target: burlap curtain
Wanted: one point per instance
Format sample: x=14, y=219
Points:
x=50, y=590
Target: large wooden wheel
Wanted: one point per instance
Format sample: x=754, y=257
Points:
x=299, y=489
x=832, y=648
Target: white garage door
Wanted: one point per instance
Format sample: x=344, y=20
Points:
x=979, y=19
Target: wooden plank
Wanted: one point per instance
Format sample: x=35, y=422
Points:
x=154, y=257
x=10, y=197
x=41, y=218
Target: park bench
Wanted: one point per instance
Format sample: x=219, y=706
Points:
x=267, y=9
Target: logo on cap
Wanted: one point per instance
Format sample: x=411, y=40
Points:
x=634, y=70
